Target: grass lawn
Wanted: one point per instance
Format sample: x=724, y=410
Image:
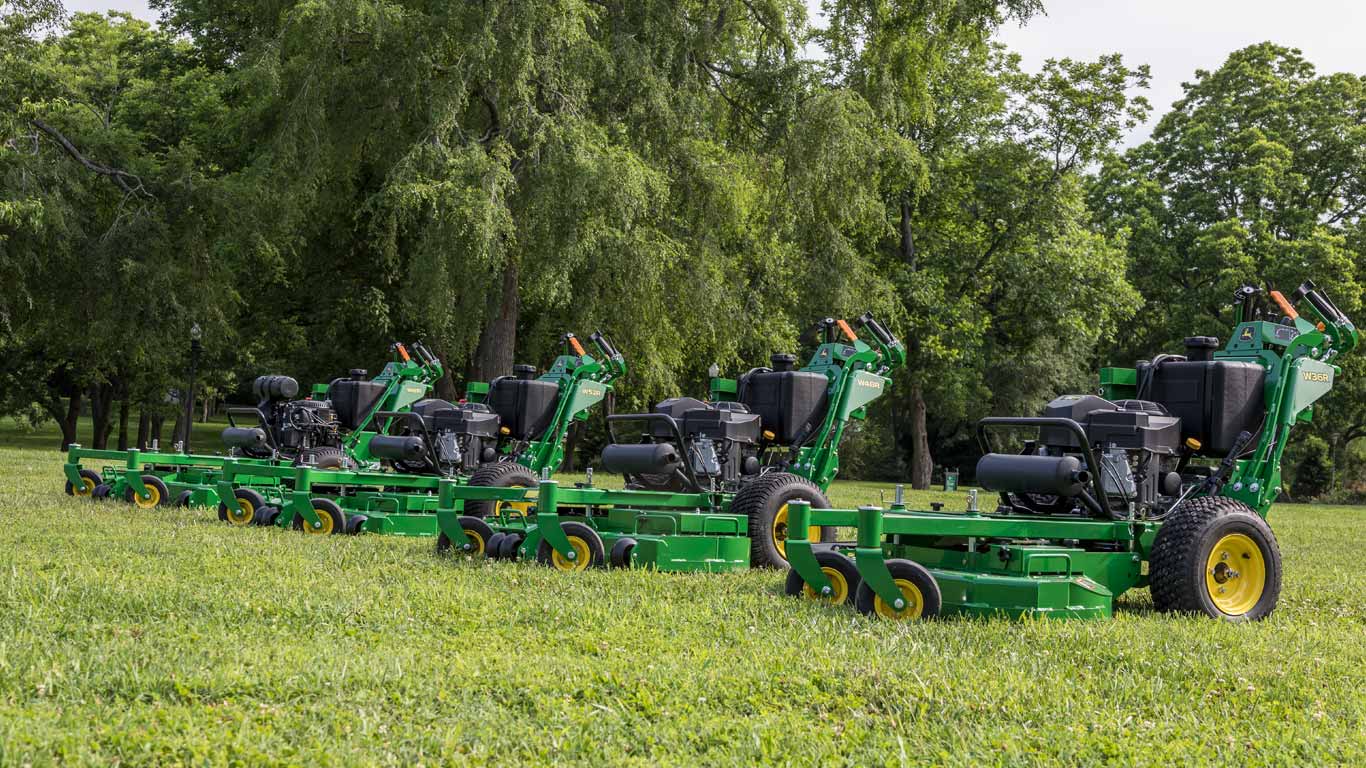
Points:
x=164, y=637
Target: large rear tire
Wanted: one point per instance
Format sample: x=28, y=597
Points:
x=501, y=475
x=1215, y=556
x=764, y=501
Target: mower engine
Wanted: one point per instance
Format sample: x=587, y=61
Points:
x=448, y=439
x=688, y=444
x=1131, y=459
x=291, y=428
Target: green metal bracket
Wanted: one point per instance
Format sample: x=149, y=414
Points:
x=871, y=561
x=548, y=519
x=798, y=547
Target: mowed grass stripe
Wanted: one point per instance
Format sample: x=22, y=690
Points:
x=163, y=637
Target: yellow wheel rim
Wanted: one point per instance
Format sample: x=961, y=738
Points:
x=244, y=517
x=86, y=488
x=325, y=518
x=915, y=603
x=512, y=508
x=813, y=532
x=153, y=498
x=838, y=585
x=582, y=556
x=477, y=541
x=1235, y=574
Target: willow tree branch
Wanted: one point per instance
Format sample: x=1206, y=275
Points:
x=120, y=178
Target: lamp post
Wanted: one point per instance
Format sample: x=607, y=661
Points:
x=195, y=349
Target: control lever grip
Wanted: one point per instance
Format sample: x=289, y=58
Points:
x=866, y=320
x=574, y=344
x=605, y=344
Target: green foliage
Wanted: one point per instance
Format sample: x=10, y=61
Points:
x=1309, y=461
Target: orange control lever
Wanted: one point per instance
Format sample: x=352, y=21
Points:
x=403, y=353
x=577, y=347
x=1285, y=306
x=848, y=332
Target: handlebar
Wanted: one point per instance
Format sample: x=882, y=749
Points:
x=605, y=345
x=879, y=331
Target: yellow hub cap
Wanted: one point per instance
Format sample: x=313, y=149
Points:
x=1235, y=574
x=327, y=523
x=86, y=488
x=813, y=532
x=839, y=588
x=512, y=508
x=477, y=542
x=153, y=498
x=915, y=602
x=244, y=517
x=582, y=556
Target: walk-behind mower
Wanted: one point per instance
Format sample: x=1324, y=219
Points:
x=1173, y=467
x=332, y=427
x=503, y=434
x=708, y=483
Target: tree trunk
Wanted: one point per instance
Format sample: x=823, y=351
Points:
x=101, y=402
x=494, y=356
x=158, y=423
x=144, y=429
x=907, y=236
x=177, y=431
x=72, y=419
x=922, y=463
x=124, y=415
x=571, y=442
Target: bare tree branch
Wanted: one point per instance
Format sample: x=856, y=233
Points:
x=119, y=177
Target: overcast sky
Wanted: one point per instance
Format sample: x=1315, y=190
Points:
x=1174, y=37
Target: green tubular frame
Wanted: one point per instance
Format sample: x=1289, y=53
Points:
x=1035, y=566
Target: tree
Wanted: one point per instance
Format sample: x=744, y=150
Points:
x=104, y=156
x=985, y=236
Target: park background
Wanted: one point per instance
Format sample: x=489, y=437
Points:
x=309, y=182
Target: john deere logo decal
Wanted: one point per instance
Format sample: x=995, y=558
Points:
x=1316, y=377
x=1246, y=335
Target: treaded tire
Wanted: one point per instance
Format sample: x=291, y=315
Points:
x=843, y=567
x=761, y=500
x=506, y=474
x=332, y=458
x=1181, y=551
x=356, y=525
